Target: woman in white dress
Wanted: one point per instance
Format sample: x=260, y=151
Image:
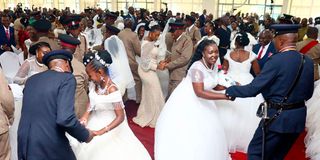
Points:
x=106, y=116
x=239, y=117
x=209, y=30
x=312, y=139
x=33, y=64
x=189, y=127
x=152, y=99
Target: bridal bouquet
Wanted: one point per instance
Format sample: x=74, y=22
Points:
x=224, y=79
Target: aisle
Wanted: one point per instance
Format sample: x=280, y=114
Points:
x=146, y=136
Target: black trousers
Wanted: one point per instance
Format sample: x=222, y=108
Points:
x=222, y=53
x=277, y=145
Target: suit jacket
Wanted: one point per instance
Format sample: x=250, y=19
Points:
x=202, y=20
x=47, y=114
x=82, y=79
x=181, y=53
x=274, y=81
x=313, y=53
x=4, y=40
x=270, y=51
x=133, y=46
x=194, y=34
x=6, y=105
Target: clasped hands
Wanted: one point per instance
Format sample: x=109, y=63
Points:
x=83, y=121
x=163, y=64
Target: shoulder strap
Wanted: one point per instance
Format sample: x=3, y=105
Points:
x=307, y=47
x=296, y=78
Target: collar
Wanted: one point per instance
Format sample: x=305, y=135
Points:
x=266, y=46
x=189, y=29
x=6, y=28
x=179, y=37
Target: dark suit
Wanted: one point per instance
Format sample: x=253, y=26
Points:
x=202, y=20
x=47, y=114
x=273, y=82
x=270, y=50
x=4, y=40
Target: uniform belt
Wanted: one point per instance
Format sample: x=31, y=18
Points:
x=284, y=106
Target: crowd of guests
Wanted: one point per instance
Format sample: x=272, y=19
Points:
x=81, y=69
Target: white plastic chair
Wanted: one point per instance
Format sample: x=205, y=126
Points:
x=10, y=64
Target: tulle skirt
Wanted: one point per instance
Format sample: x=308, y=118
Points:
x=118, y=144
x=189, y=128
x=239, y=117
x=312, y=140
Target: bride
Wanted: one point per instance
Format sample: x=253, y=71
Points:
x=188, y=127
x=238, y=117
x=105, y=115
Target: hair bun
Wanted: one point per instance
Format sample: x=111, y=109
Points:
x=242, y=39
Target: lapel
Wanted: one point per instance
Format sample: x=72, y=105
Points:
x=3, y=34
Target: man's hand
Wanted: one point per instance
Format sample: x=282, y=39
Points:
x=161, y=65
x=91, y=135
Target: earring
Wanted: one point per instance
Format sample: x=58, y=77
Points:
x=102, y=79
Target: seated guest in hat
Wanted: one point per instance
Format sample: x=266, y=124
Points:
x=110, y=18
x=45, y=120
x=42, y=28
x=181, y=53
x=32, y=65
x=311, y=48
x=191, y=30
x=70, y=44
x=106, y=115
x=286, y=107
x=74, y=30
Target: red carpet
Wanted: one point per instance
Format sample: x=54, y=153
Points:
x=146, y=136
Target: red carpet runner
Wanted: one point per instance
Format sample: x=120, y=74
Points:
x=146, y=136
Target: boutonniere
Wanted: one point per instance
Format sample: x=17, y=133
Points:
x=270, y=54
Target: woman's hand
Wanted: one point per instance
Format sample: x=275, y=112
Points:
x=101, y=131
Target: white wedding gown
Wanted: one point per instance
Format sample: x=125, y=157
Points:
x=312, y=139
x=189, y=127
x=239, y=116
x=118, y=144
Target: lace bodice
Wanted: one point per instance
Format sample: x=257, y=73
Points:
x=240, y=67
x=104, y=102
x=29, y=67
x=199, y=73
x=149, y=55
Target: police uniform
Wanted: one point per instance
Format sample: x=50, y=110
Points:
x=79, y=72
x=181, y=53
x=73, y=23
x=43, y=26
x=48, y=113
x=273, y=82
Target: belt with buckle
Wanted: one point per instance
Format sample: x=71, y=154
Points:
x=286, y=106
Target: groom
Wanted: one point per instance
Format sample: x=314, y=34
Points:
x=48, y=112
x=273, y=82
